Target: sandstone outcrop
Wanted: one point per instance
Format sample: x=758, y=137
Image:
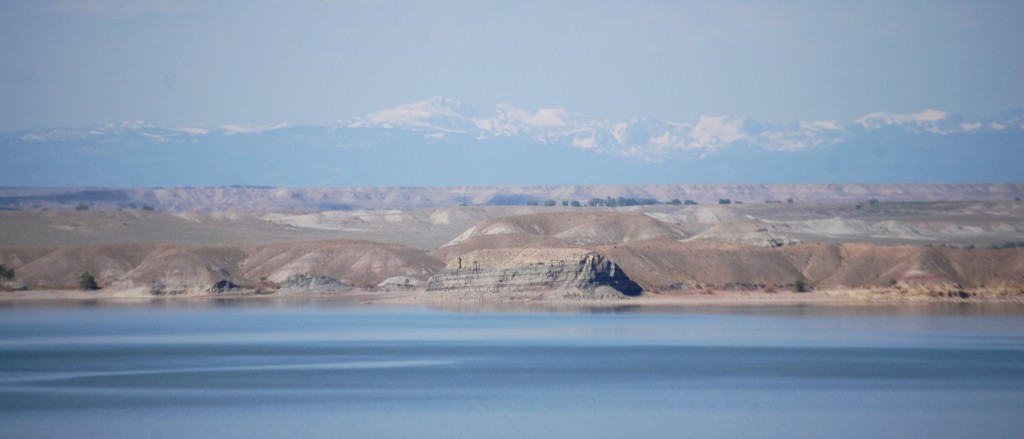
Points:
x=401, y=282
x=309, y=283
x=523, y=274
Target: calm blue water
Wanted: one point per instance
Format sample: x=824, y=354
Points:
x=300, y=370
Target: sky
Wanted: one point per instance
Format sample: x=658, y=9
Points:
x=66, y=63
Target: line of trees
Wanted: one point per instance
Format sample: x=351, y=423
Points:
x=621, y=202
x=86, y=281
x=617, y=202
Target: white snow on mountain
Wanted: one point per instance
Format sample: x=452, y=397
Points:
x=542, y=118
x=968, y=127
x=198, y=131
x=716, y=132
x=65, y=134
x=144, y=129
x=654, y=139
x=1007, y=119
x=246, y=129
x=643, y=138
x=933, y=121
x=804, y=135
x=436, y=114
x=510, y=121
x=646, y=138
x=821, y=125
x=874, y=121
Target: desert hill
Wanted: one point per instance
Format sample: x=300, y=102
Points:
x=932, y=246
x=360, y=263
x=581, y=228
x=754, y=233
x=166, y=267
x=963, y=223
x=53, y=229
x=424, y=229
x=667, y=266
x=558, y=229
x=735, y=253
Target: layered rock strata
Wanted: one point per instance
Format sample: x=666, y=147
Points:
x=309, y=283
x=522, y=274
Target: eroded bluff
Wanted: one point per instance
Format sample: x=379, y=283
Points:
x=533, y=273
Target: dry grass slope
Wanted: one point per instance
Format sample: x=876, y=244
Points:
x=670, y=266
x=559, y=229
x=667, y=249
x=197, y=268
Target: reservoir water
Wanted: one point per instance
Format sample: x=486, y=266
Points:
x=252, y=369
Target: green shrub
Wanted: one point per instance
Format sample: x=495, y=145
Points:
x=87, y=282
x=6, y=273
x=801, y=285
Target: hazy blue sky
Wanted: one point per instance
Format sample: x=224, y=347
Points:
x=77, y=63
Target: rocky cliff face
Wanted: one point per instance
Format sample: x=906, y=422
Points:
x=308, y=283
x=522, y=274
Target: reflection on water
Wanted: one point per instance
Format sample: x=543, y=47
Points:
x=279, y=368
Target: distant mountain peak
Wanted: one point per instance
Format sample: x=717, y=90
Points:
x=437, y=113
x=441, y=140
x=646, y=138
x=716, y=131
x=654, y=139
x=879, y=119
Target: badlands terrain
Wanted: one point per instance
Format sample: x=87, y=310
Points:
x=822, y=246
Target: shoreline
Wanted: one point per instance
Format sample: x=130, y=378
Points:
x=420, y=297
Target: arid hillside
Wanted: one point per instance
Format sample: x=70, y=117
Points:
x=663, y=260
x=522, y=251
x=553, y=229
x=962, y=224
x=422, y=228
x=165, y=268
x=680, y=266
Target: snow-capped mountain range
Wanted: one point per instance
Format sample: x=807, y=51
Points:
x=141, y=128
x=653, y=139
x=443, y=142
x=643, y=138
